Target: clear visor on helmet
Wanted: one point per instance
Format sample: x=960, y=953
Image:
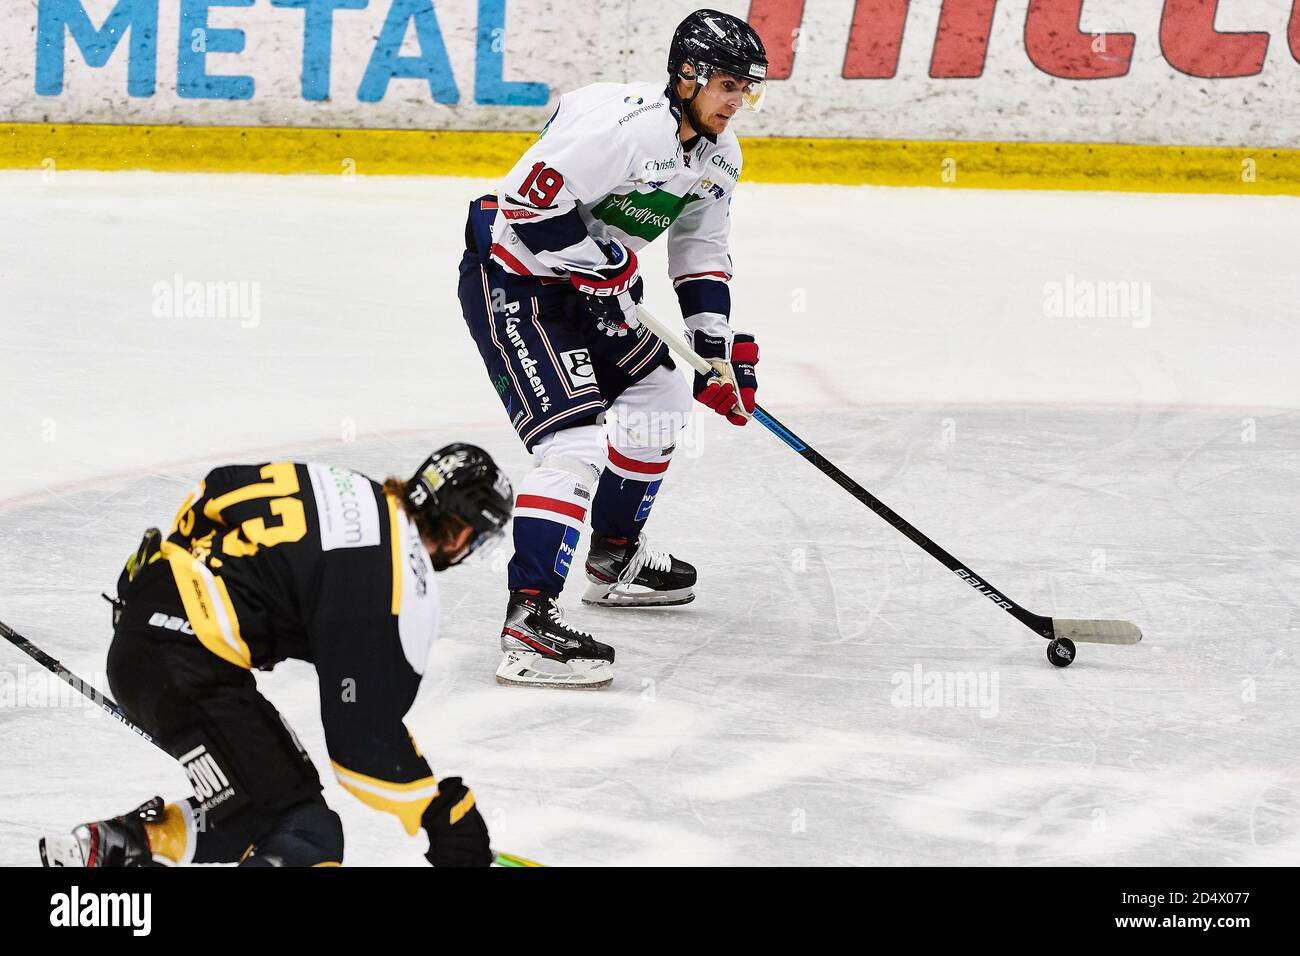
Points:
x=747, y=92
x=481, y=548
x=460, y=543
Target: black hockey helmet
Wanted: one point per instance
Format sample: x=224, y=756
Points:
x=463, y=481
x=709, y=40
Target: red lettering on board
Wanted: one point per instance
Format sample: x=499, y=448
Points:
x=1058, y=47
x=875, y=39
x=1192, y=45
x=961, y=44
x=778, y=23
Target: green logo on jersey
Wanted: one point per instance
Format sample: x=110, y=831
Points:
x=644, y=215
x=721, y=162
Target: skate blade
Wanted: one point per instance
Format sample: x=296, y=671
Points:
x=600, y=595
x=556, y=685
x=61, y=851
x=533, y=670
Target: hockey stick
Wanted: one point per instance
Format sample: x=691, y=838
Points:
x=114, y=711
x=1052, y=629
x=65, y=675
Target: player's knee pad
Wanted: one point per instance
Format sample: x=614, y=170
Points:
x=652, y=412
x=579, y=451
x=306, y=834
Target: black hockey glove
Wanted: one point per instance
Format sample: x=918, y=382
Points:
x=458, y=835
x=149, y=551
x=611, y=292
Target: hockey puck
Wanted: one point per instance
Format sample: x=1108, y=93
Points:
x=1061, y=652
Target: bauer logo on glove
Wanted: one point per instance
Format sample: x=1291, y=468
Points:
x=611, y=292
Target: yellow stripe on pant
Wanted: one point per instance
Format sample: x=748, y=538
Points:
x=407, y=801
x=208, y=607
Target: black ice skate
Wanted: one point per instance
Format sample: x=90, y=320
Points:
x=121, y=841
x=541, y=650
x=626, y=573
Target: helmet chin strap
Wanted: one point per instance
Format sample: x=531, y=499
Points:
x=694, y=79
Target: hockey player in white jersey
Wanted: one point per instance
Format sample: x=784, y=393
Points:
x=548, y=287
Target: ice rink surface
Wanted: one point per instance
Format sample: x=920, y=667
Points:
x=810, y=707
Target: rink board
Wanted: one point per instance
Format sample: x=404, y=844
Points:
x=984, y=165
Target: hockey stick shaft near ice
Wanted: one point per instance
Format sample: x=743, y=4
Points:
x=65, y=675
x=1089, y=631
x=114, y=711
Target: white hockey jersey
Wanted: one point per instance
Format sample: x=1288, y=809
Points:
x=610, y=164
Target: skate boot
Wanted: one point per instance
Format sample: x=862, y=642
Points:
x=121, y=841
x=625, y=573
x=543, y=651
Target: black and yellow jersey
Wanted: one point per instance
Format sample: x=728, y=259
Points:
x=314, y=562
x=278, y=560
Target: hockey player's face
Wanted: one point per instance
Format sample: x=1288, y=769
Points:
x=716, y=103
x=451, y=544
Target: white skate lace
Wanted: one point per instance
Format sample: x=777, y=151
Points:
x=645, y=557
x=557, y=618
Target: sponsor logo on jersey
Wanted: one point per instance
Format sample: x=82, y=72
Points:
x=416, y=595
x=638, y=112
x=564, y=557
x=633, y=100
x=578, y=368
x=733, y=171
x=711, y=188
x=520, y=214
x=645, y=215
x=418, y=559
x=211, y=785
x=345, y=507
x=659, y=165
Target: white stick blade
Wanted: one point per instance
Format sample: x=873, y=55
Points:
x=1097, y=632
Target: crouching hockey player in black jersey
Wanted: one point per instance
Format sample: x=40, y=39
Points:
x=304, y=561
x=548, y=286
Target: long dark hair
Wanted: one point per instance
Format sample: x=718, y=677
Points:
x=440, y=532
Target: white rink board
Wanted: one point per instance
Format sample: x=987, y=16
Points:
x=501, y=65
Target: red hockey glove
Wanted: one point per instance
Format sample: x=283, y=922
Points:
x=737, y=383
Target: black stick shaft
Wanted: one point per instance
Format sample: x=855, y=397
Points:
x=1042, y=626
x=54, y=667
x=58, y=670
